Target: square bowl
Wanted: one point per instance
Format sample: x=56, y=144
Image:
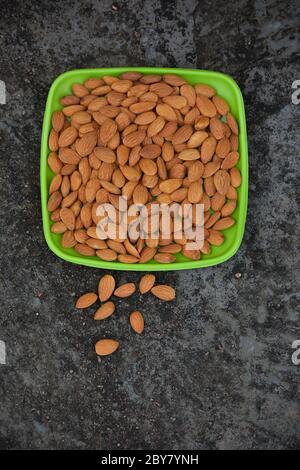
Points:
x=227, y=88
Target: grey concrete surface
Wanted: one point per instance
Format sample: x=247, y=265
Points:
x=214, y=369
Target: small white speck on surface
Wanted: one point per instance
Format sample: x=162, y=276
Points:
x=238, y=275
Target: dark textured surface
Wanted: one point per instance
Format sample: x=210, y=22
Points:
x=213, y=370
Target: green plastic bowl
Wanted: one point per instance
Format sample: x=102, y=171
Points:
x=228, y=89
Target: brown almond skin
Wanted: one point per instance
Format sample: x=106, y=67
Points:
x=105, y=347
x=126, y=290
x=86, y=300
x=164, y=292
x=105, y=311
x=146, y=283
x=106, y=287
x=137, y=322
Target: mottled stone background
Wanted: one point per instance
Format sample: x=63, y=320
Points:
x=214, y=369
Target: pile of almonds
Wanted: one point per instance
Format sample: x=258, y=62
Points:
x=153, y=139
x=107, y=288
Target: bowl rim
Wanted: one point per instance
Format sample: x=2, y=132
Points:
x=115, y=265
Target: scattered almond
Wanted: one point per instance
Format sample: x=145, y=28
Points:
x=126, y=290
x=104, y=347
x=105, y=311
x=106, y=287
x=137, y=322
x=146, y=283
x=86, y=300
x=164, y=292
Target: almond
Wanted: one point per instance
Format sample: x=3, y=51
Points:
x=223, y=147
x=191, y=254
x=182, y=134
x=206, y=106
x=202, y=123
x=68, y=218
x=221, y=105
x=58, y=227
x=206, y=90
x=189, y=154
x=146, y=283
x=228, y=208
x=156, y=126
x=69, y=100
x=55, y=184
x=53, y=141
x=67, y=137
x=195, y=192
x=86, y=144
x=161, y=89
x=147, y=254
x=104, y=347
x=230, y=160
x=224, y=223
x=215, y=238
x=170, y=185
x=132, y=174
x=208, y=149
x=106, y=287
x=142, y=107
x=175, y=101
x=166, y=112
x=54, y=201
x=222, y=181
x=137, y=322
x=107, y=254
x=126, y=290
x=211, y=168
x=122, y=86
x=196, y=139
x=232, y=124
x=72, y=109
x=105, y=311
x=128, y=259
x=134, y=138
x=148, y=167
x=150, y=151
x=172, y=248
x=195, y=171
x=107, y=130
x=189, y=93
x=145, y=118
x=58, y=120
x=217, y=201
x=235, y=177
x=216, y=128
x=164, y=258
x=54, y=162
x=84, y=250
x=68, y=240
x=86, y=300
x=69, y=156
x=231, y=193
x=164, y=292
x=105, y=154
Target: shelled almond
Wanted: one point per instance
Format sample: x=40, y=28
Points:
x=154, y=139
x=106, y=288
